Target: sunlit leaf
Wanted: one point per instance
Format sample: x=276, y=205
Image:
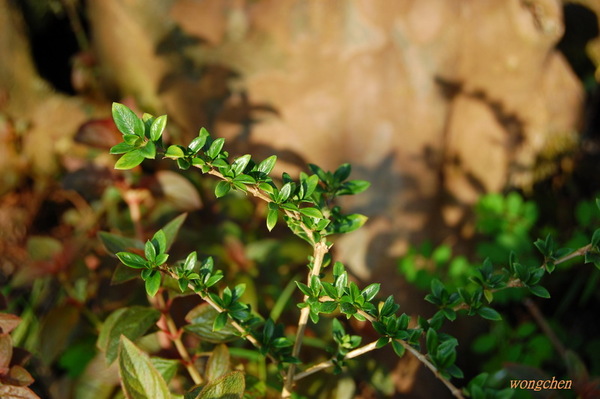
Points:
x=139, y=378
x=130, y=160
x=230, y=386
x=158, y=125
x=126, y=120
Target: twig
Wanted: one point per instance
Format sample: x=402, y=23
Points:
x=175, y=336
x=455, y=391
x=541, y=321
x=329, y=363
x=320, y=249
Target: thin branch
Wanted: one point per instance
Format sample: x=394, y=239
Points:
x=455, y=391
x=175, y=336
x=541, y=321
x=320, y=250
x=329, y=363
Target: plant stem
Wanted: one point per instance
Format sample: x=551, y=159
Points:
x=329, y=363
x=455, y=391
x=320, y=249
x=175, y=336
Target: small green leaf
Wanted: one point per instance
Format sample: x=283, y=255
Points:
x=489, y=313
x=244, y=179
x=304, y=288
x=157, y=127
x=272, y=216
x=342, y=172
x=190, y=261
x=399, y=349
x=121, y=148
x=215, y=148
x=220, y=321
x=353, y=187
x=127, y=121
x=150, y=251
x=139, y=377
x=131, y=260
x=370, y=291
x=153, y=283
x=239, y=165
x=285, y=192
x=174, y=152
x=540, y=291
x=311, y=212
x=148, y=150
x=267, y=165
x=130, y=160
x=222, y=188
x=159, y=240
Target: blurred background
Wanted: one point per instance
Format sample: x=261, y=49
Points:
x=475, y=121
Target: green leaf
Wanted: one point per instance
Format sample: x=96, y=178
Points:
x=229, y=386
x=131, y=322
x=399, y=349
x=311, y=212
x=150, y=251
x=267, y=165
x=153, y=283
x=148, y=150
x=131, y=260
x=370, y=291
x=342, y=172
x=304, y=288
x=215, y=148
x=121, y=148
x=139, y=378
x=130, y=160
x=222, y=188
x=157, y=127
x=239, y=165
x=174, y=152
x=272, y=216
x=540, y=291
x=127, y=121
x=347, y=223
x=244, y=179
x=285, y=192
x=220, y=321
x=190, y=261
x=353, y=187
x=159, y=240
x=489, y=313
x=432, y=341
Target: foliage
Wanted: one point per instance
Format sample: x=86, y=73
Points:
x=307, y=206
x=506, y=225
